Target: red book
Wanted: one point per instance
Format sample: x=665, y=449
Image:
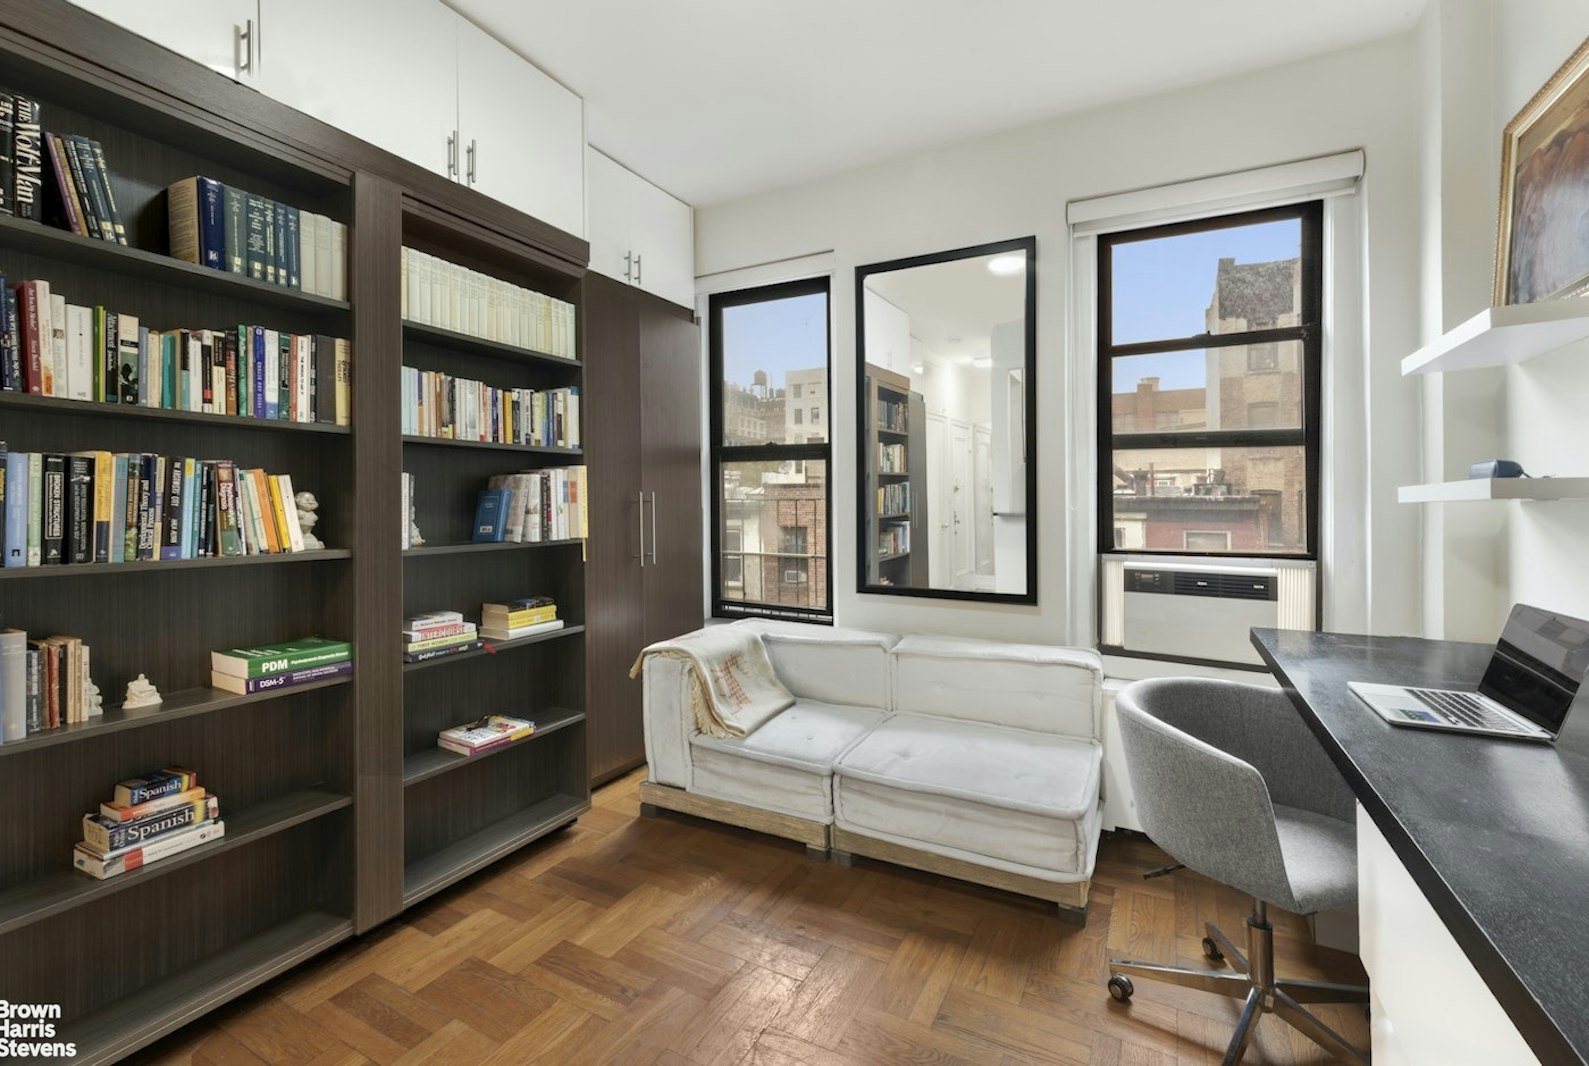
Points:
x=32, y=371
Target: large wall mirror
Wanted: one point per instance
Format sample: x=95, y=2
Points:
x=947, y=349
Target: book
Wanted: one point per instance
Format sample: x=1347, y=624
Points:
x=78, y=518
x=16, y=509
x=118, y=812
x=101, y=834
x=151, y=786
x=255, y=239
x=53, y=499
x=13, y=685
x=7, y=133
x=117, y=226
x=98, y=197
x=127, y=357
x=344, y=376
x=291, y=257
x=27, y=160
x=438, y=653
x=35, y=509
x=277, y=658
x=284, y=679
x=493, y=633
x=427, y=643
x=125, y=860
x=236, y=229
x=484, y=734
x=490, y=512
x=63, y=187
x=196, y=221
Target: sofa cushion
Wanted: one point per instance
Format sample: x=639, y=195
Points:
x=1025, y=686
x=1018, y=796
x=828, y=663
x=787, y=764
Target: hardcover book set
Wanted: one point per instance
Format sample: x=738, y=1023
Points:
x=532, y=506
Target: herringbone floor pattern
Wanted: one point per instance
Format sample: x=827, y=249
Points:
x=667, y=940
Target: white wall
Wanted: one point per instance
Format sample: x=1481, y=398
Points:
x=1018, y=182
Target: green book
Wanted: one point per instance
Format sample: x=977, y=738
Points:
x=235, y=216
x=254, y=235
x=275, y=658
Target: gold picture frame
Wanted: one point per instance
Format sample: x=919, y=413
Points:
x=1542, y=244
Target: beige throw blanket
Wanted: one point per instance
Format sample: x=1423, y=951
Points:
x=733, y=691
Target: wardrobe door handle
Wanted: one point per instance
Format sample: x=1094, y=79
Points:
x=452, y=154
x=472, y=155
x=653, y=529
x=640, y=498
x=628, y=266
x=637, y=282
x=245, y=48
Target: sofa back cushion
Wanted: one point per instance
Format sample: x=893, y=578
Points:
x=1027, y=686
x=826, y=663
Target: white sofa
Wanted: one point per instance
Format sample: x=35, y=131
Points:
x=968, y=758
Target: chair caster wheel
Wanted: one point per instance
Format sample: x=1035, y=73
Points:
x=1120, y=988
x=1211, y=949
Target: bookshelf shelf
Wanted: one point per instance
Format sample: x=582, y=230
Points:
x=893, y=433
x=324, y=555
x=150, y=1013
x=175, y=706
x=892, y=557
x=905, y=517
x=526, y=449
x=896, y=473
x=36, y=239
x=56, y=893
x=497, y=647
x=427, y=876
x=429, y=763
x=1501, y=336
x=435, y=550
x=480, y=346
x=27, y=402
x=1500, y=488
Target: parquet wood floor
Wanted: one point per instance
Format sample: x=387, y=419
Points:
x=671, y=941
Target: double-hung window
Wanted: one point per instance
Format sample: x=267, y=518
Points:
x=1209, y=386
x=770, y=361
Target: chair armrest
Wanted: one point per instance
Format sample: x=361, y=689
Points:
x=669, y=722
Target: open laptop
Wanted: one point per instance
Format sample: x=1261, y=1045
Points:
x=1526, y=693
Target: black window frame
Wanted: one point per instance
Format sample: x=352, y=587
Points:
x=725, y=454
x=1308, y=331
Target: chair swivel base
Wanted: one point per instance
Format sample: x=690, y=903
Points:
x=1253, y=983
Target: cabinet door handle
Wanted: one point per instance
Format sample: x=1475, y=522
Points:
x=637, y=282
x=653, y=529
x=640, y=498
x=471, y=160
x=245, y=48
x=452, y=154
x=628, y=267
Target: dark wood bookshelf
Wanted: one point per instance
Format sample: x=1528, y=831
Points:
x=429, y=551
x=892, y=556
x=63, y=246
x=323, y=555
x=52, y=895
x=493, y=647
x=528, y=449
x=467, y=342
x=430, y=875
x=439, y=760
x=95, y=409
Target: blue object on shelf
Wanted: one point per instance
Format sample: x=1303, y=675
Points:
x=490, y=515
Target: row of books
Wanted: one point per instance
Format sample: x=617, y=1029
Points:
x=894, y=540
x=533, y=506
x=226, y=228
x=441, y=405
x=487, y=734
x=148, y=818
x=890, y=458
x=104, y=507
x=894, y=499
x=49, y=347
x=44, y=684
x=448, y=296
x=893, y=416
x=80, y=197
x=268, y=667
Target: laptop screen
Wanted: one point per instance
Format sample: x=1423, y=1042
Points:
x=1539, y=663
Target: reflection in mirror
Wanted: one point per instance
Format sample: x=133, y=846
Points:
x=945, y=477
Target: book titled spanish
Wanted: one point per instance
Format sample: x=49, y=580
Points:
x=484, y=734
x=124, y=860
x=102, y=835
x=266, y=659
x=162, y=783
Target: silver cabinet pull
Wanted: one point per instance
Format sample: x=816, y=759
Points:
x=640, y=498
x=653, y=528
x=472, y=155
x=637, y=282
x=452, y=154
x=628, y=267
x=245, y=48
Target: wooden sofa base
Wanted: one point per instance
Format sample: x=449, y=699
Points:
x=814, y=835
x=1070, y=897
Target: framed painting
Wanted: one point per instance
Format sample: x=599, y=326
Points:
x=1542, y=247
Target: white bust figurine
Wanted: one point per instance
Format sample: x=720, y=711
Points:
x=140, y=693
x=307, y=517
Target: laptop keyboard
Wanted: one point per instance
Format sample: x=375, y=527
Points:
x=1459, y=708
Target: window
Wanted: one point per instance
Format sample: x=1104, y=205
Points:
x=770, y=510
x=1208, y=384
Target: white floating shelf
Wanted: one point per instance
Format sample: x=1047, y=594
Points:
x=1501, y=336
x=1499, y=488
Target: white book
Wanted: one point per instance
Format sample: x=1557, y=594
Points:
x=123, y=860
x=339, y=261
x=196, y=370
x=13, y=684
x=408, y=505
x=290, y=506
x=324, y=234
x=57, y=336
x=434, y=285
x=455, y=297
x=305, y=376
x=90, y=710
x=272, y=373
x=79, y=352
x=492, y=633
x=308, y=280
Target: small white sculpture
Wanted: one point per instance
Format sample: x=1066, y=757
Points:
x=92, y=698
x=307, y=506
x=140, y=693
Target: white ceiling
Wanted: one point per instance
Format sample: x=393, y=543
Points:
x=717, y=99
x=954, y=306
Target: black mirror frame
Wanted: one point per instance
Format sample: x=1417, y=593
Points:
x=1023, y=245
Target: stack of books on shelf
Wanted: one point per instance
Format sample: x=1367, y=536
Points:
x=440, y=405
x=895, y=540
x=893, y=416
x=225, y=228
x=519, y=618
x=894, y=499
x=484, y=734
x=104, y=507
x=436, y=635
x=149, y=818
x=44, y=684
x=49, y=347
x=891, y=459
x=269, y=667
x=533, y=506
x=448, y=296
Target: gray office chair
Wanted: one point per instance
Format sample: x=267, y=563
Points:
x=1232, y=784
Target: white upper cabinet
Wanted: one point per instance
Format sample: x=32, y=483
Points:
x=386, y=73
x=639, y=233
x=523, y=135
x=213, y=32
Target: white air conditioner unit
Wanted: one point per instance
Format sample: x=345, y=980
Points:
x=1202, y=610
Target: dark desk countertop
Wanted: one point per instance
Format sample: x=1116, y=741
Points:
x=1495, y=832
